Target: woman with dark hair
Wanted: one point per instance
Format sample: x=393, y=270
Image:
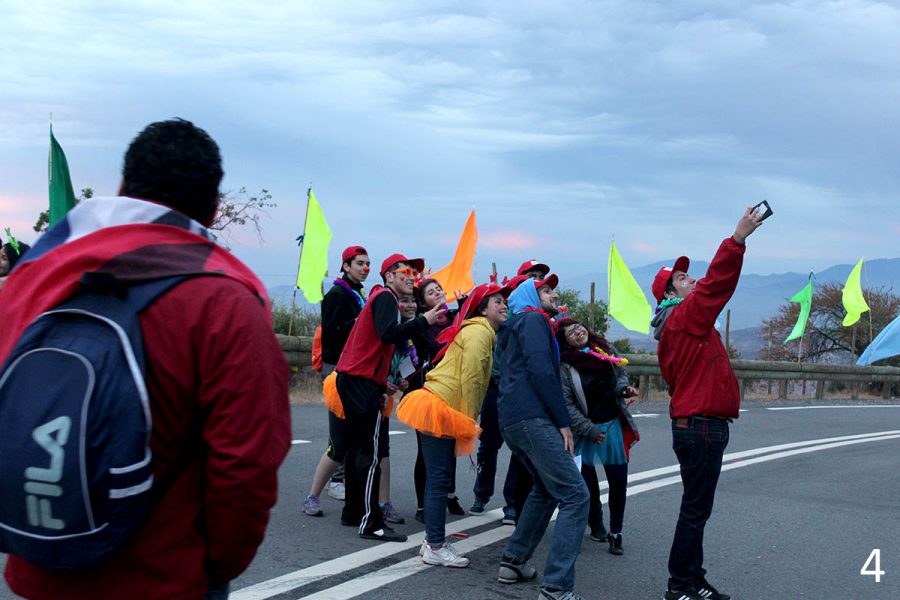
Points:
x=10, y=253
x=429, y=293
x=595, y=387
x=443, y=412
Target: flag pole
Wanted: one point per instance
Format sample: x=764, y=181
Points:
x=609, y=281
x=299, y=258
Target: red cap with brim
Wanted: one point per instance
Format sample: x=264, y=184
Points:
x=416, y=263
x=531, y=265
x=551, y=280
x=665, y=274
x=351, y=252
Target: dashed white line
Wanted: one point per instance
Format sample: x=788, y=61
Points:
x=834, y=406
x=295, y=442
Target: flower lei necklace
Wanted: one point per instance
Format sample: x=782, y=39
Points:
x=596, y=352
x=668, y=302
x=360, y=296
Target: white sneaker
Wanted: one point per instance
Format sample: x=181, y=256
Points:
x=336, y=490
x=422, y=547
x=445, y=556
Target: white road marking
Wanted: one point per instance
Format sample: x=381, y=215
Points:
x=295, y=442
x=834, y=406
x=396, y=432
x=370, y=581
x=650, y=415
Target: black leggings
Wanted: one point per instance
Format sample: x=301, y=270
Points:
x=419, y=474
x=617, y=477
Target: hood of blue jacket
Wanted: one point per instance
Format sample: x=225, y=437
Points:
x=524, y=296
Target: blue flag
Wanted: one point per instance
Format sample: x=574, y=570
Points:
x=885, y=345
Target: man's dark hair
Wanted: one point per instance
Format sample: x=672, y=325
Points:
x=391, y=269
x=670, y=288
x=177, y=164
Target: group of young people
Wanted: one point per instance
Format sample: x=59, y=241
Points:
x=506, y=366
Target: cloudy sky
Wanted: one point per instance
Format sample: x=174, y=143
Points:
x=562, y=123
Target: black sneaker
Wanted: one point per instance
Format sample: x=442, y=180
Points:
x=615, y=544
x=454, y=507
x=599, y=534
x=385, y=534
x=706, y=591
x=420, y=515
x=674, y=595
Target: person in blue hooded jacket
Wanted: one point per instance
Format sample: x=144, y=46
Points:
x=534, y=423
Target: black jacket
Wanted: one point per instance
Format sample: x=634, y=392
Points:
x=339, y=311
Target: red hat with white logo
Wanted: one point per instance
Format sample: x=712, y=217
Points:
x=665, y=274
x=532, y=265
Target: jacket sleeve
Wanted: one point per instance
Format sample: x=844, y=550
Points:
x=621, y=374
x=581, y=425
x=536, y=342
x=243, y=394
x=390, y=331
x=335, y=316
x=475, y=367
x=698, y=313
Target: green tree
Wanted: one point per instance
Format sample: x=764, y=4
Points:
x=305, y=319
x=43, y=220
x=581, y=310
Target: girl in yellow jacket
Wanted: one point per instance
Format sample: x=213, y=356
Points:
x=444, y=411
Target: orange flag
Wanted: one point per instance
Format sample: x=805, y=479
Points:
x=457, y=276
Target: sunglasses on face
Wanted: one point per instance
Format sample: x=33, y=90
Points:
x=407, y=272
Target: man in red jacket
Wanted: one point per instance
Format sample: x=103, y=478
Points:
x=361, y=381
x=705, y=396
x=216, y=378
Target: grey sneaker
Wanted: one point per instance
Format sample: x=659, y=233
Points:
x=559, y=595
x=515, y=572
x=391, y=515
x=445, y=556
x=312, y=507
x=335, y=489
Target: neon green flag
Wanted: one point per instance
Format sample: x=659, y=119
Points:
x=314, y=253
x=804, y=297
x=852, y=296
x=627, y=302
x=62, y=196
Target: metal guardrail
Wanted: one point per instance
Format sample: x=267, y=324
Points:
x=298, y=352
x=647, y=365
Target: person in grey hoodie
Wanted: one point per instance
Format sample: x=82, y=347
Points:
x=534, y=423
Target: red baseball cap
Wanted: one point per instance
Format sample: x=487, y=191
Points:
x=530, y=265
x=665, y=274
x=416, y=263
x=551, y=280
x=349, y=253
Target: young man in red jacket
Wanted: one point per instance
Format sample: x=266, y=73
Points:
x=705, y=396
x=361, y=382
x=216, y=378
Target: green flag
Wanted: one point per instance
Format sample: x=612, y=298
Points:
x=62, y=197
x=627, y=302
x=852, y=296
x=804, y=297
x=314, y=253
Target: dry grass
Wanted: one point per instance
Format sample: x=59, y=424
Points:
x=306, y=387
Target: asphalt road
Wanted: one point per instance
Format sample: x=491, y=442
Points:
x=807, y=493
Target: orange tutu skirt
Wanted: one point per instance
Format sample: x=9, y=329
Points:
x=332, y=399
x=424, y=411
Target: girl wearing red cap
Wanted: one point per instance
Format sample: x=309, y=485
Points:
x=444, y=411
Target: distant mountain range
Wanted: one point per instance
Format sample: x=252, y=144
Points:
x=757, y=296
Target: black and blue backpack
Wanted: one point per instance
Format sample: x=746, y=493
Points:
x=76, y=478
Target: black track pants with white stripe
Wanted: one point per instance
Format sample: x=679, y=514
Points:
x=361, y=399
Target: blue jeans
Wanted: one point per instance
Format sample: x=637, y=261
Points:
x=557, y=482
x=440, y=457
x=488, y=447
x=699, y=444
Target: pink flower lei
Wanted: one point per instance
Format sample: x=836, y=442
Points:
x=596, y=352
